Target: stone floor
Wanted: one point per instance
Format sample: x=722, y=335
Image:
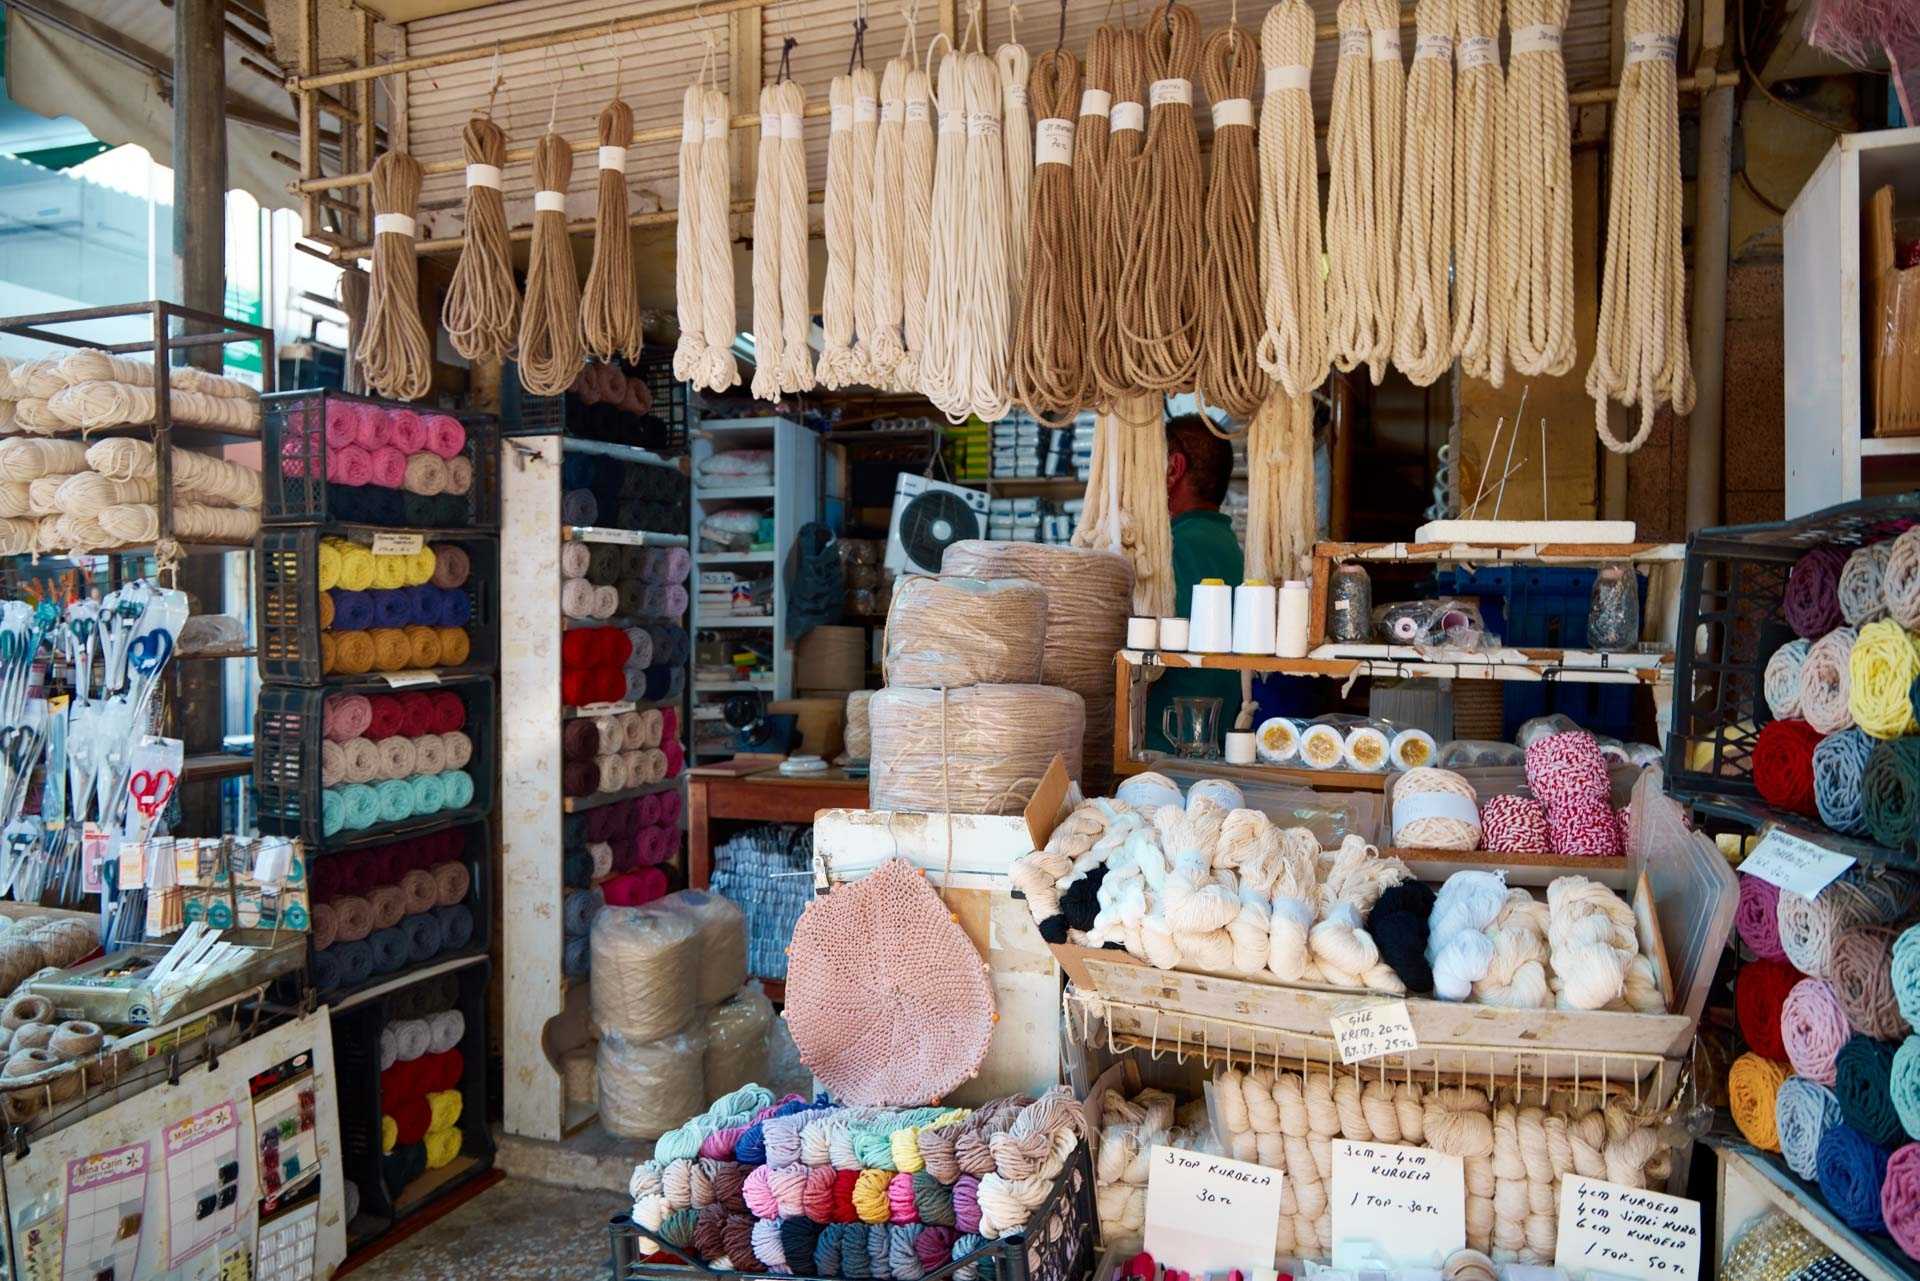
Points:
x=515, y=1229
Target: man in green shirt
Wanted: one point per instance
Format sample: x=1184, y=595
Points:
x=1199, y=464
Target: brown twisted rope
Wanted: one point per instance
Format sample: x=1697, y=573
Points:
x=1089, y=179
x=1230, y=309
x=1119, y=215
x=354, y=292
x=610, y=305
x=483, y=301
x=395, y=359
x=1049, y=348
x=551, y=354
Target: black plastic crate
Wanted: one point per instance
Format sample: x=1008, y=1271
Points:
x=288, y=726
x=356, y=1069
x=294, y=469
x=479, y=844
x=1731, y=622
x=1057, y=1244
x=287, y=592
x=663, y=430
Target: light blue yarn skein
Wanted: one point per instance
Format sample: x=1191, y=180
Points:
x=1803, y=1110
x=1838, y=763
x=1906, y=974
x=1903, y=1085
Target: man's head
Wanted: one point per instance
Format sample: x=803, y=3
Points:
x=1199, y=464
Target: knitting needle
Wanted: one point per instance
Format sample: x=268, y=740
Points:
x=1499, y=425
x=1497, y=498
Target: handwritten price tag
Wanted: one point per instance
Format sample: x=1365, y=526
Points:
x=403, y=680
x=1626, y=1232
x=1794, y=863
x=1210, y=1213
x=1394, y=1206
x=390, y=544
x=1373, y=1030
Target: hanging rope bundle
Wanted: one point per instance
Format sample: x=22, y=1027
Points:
x=1126, y=504
x=1280, y=500
x=610, y=305
x=1119, y=217
x=1089, y=179
x=395, y=359
x=840, y=366
x=1386, y=107
x=915, y=206
x=1016, y=68
x=1049, y=350
x=717, y=370
x=1354, y=311
x=989, y=307
x=866, y=133
x=1294, y=344
x=550, y=352
x=1229, y=372
x=692, y=345
x=1535, y=242
x=767, y=327
x=1640, y=343
x=355, y=289
x=1158, y=305
x=1480, y=296
x=1423, y=320
x=796, y=307
x=483, y=302
x=946, y=248
x=886, y=228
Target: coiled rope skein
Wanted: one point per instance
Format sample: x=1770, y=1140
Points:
x=1229, y=372
x=610, y=303
x=1423, y=319
x=1480, y=301
x=1536, y=175
x=1294, y=344
x=551, y=353
x=395, y=355
x=1353, y=321
x=1049, y=350
x=482, y=308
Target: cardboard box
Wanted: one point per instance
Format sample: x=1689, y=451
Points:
x=1893, y=326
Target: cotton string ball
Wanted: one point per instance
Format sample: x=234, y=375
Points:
x=1826, y=681
x=1860, y=968
x=1149, y=791
x=1752, y=1086
x=1851, y=1168
x=1758, y=995
x=1862, y=591
x=1783, y=765
x=1839, y=763
x=1809, y=927
x=1515, y=825
x=1901, y=581
x=1220, y=791
x=1900, y=1199
x=1880, y=671
x=1890, y=792
x=1435, y=809
x=1803, y=1111
x=1861, y=1074
x=1813, y=1028
x=1756, y=918
x=1812, y=600
x=1782, y=681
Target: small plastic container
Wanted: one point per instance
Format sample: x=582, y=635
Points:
x=1613, y=616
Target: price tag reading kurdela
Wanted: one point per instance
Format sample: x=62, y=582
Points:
x=1401, y=1207
x=1794, y=863
x=401, y=680
x=1373, y=1030
x=398, y=544
x=1210, y=1213
x=1626, y=1232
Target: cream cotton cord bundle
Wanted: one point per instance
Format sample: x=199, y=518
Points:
x=988, y=306
x=551, y=354
x=1280, y=501
x=796, y=308
x=395, y=357
x=1386, y=129
x=687, y=275
x=915, y=217
x=1640, y=353
x=1423, y=317
x=946, y=248
x=610, y=303
x=866, y=133
x=767, y=328
x=1229, y=373
x=1293, y=347
x=1090, y=141
x=1125, y=510
x=1480, y=297
x=849, y=180
x=1119, y=218
x=1049, y=350
x=483, y=302
x=717, y=370
x=1015, y=66
x=887, y=229
x=1535, y=245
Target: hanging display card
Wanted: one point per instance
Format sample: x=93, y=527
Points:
x=1373, y=1030
x=1210, y=1213
x=203, y=1179
x=1396, y=1207
x=105, y=1195
x=1794, y=863
x=1626, y=1232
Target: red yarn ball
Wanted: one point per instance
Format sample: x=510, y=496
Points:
x=1584, y=828
x=1514, y=825
x=1758, y=994
x=1783, y=764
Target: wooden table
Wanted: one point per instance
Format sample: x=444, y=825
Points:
x=745, y=791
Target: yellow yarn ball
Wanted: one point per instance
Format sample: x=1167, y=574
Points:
x=389, y=1133
x=420, y=567
x=1880, y=673
x=329, y=567
x=1752, y=1083
x=442, y=1147
x=870, y=1196
x=390, y=572
x=356, y=568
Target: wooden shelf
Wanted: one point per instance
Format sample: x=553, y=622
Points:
x=620, y=537
x=1529, y=553
x=215, y=765
x=1505, y=664
x=1754, y=1183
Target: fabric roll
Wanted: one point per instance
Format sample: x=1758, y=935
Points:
x=579, y=507
x=456, y=925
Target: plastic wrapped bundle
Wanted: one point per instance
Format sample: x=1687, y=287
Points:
x=762, y=869
x=998, y=741
x=952, y=632
x=737, y=1041
x=646, y=961
x=859, y=735
x=723, y=943
x=649, y=1087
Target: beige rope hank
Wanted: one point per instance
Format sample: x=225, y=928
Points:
x=988, y=301
x=1293, y=346
x=946, y=252
x=482, y=309
x=355, y=291
x=551, y=355
x=610, y=303
x=1280, y=499
x=1535, y=243
x=197, y=474
x=1640, y=343
x=1387, y=107
x=1353, y=311
x=887, y=230
x=1423, y=319
x=396, y=359
x=1119, y=225
x=1089, y=178
x=717, y=370
x=796, y=307
x=91, y=405
x=866, y=130
x=767, y=327
x=1049, y=350
x=846, y=204
x=1229, y=373
x=687, y=276
x=1480, y=297
x=1158, y=304
x=1016, y=69
x=1125, y=510
x=915, y=212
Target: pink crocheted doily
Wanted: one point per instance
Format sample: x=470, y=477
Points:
x=887, y=998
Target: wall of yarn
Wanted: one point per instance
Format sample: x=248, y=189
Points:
x=423, y=1070
x=771, y=1185
x=1202, y=882
x=604, y=581
x=391, y=613
x=382, y=464
x=1514, y=1151
x=387, y=909
x=625, y=495
x=392, y=758
x=87, y=389
x=765, y=870
x=618, y=751
x=1827, y=1008
x=613, y=854
x=60, y=496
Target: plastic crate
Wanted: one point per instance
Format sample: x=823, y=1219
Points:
x=1057, y=1245
x=1730, y=625
x=479, y=844
x=524, y=414
x=295, y=458
x=287, y=729
x=287, y=594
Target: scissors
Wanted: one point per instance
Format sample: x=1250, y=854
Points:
x=151, y=790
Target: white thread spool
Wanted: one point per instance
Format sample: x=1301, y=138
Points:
x=1365, y=749
x=1322, y=747
x=1240, y=747
x=1173, y=634
x=1211, y=618
x=1278, y=740
x=1143, y=633
x=1253, y=617
x=1291, y=637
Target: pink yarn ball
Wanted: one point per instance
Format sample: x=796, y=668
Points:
x=1584, y=828
x=1813, y=1027
x=1514, y=825
x=1900, y=1199
x=1563, y=768
x=1757, y=918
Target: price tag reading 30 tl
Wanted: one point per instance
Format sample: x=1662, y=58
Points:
x=1374, y=1030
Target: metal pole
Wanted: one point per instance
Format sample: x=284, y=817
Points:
x=200, y=163
x=1708, y=331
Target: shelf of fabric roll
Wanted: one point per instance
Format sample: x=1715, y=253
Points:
x=1752, y=1183
x=621, y=537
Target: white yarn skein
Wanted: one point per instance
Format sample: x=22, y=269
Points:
x=1516, y=974
x=1431, y=809
x=1457, y=947
x=1249, y=931
x=1593, y=939
x=767, y=332
x=1219, y=791
x=840, y=365
x=1344, y=951
x=688, y=278
x=1290, y=919
x=713, y=243
x=1782, y=681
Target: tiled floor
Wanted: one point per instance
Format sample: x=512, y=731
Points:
x=515, y=1229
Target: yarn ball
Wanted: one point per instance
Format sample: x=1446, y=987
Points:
x=1814, y=1029
x=1435, y=809
x=1584, y=828
x=1900, y=1199
x=1752, y=1084
x=1861, y=1075
x=1826, y=682
x=1862, y=584
x=1756, y=919
x=1812, y=600
x=1758, y=995
x=1781, y=683
x=1905, y=974
x=1398, y=924
x=1860, y=968
x=1783, y=765
x=1803, y=1111
x=1567, y=767
x=1851, y=1168
x=1839, y=765
x=1890, y=792
x=1515, y=825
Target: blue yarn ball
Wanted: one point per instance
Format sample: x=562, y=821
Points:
x=1851, y=1170
x=1803, y=1112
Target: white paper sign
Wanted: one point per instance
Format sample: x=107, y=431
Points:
x=1626, y=1232
x=1210, y=1213
x=1372, y=1030
x=1401, y=1207
x=398, y=544
x=1794, y=863
x=401, y=680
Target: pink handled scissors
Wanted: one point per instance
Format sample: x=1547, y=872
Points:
x=151, y=790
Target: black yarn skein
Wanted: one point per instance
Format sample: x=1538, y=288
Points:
x=1399, y=928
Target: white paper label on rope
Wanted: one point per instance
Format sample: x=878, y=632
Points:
x=793, y=126
x=1373, y=1030
x=401, y=680
x=1626, y=1232
x=842, y=118
x=866, y=110
x=1232, y=111
x=713, y=127
x=550, y=202
x=396, y=544
x=892, y=113
x=1016, y=95
x=769, y=124
x=1477, y=51
x=484, y=176
x=1433, y=46
x=1210, y=1213
x=1127, y=115
x=982, y=124
x=1541, y=38
x=1402, y=1207
x=1353, y=44
x=613, y=158
x=1652, y=47
x=1175, y=92
x=1095, y=102
x=1053, y=142
x=1794, y=863
x=1416, y=806
x=394, y=224
x=919, y=110
x=1386, y=45
x=952, y=122
x=1295, y=77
